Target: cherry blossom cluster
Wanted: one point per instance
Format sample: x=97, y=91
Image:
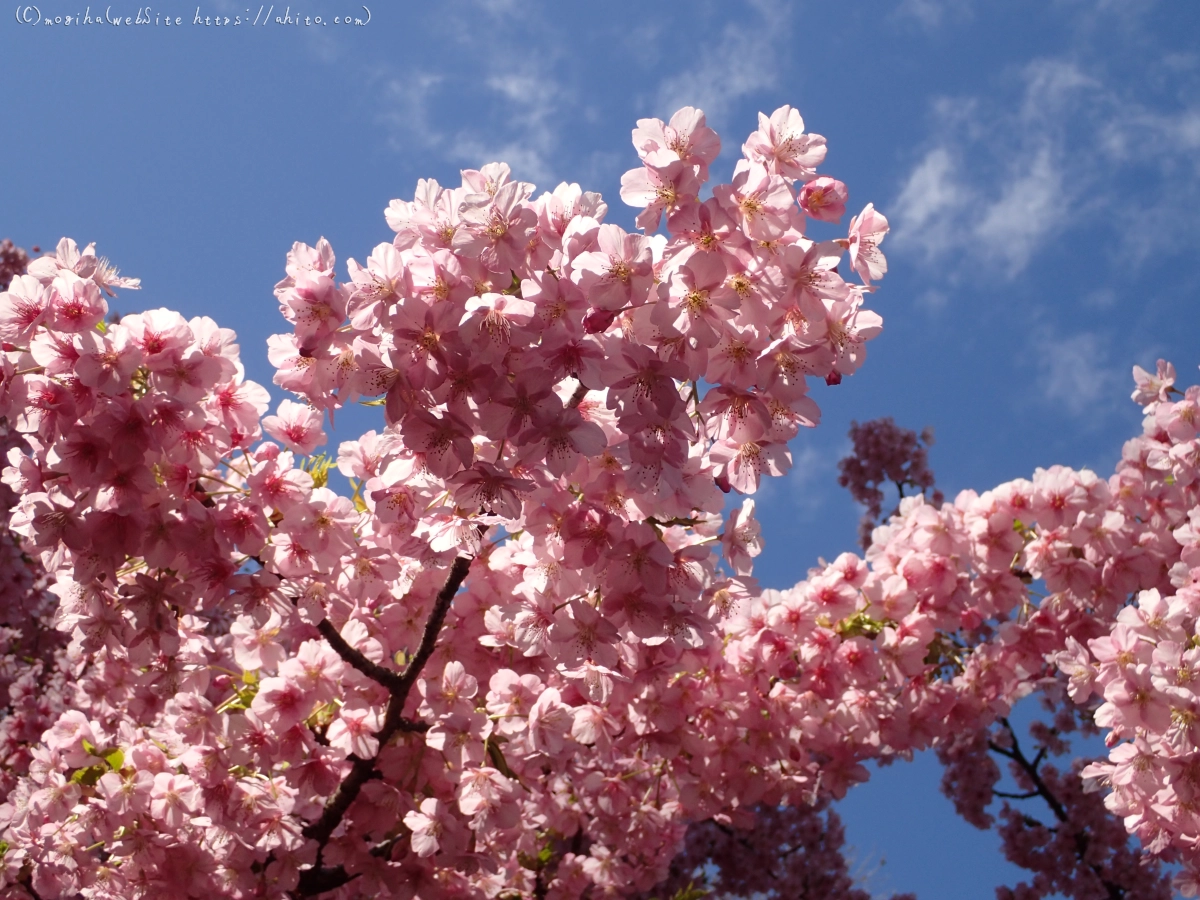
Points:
x=31, y=676
x=1141, y=669
x=940, y=630
x=526, y=653
x=32, y=670
x=478, y=673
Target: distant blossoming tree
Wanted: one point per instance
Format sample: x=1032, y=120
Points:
x=523, y=654
x=13, y=261
x=885, y=453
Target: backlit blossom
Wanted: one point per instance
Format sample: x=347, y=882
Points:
x=296, y=426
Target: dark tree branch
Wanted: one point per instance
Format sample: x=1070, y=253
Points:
x=1039, y=786
x=433, y=627
x=1041, y=789
x=319, y=879
x=374, y=671
x=411, y=726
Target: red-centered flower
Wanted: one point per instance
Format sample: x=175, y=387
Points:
x=297, y=427
x=667, y=184
x=497, y=227
x=781, y=145
x=619, y=273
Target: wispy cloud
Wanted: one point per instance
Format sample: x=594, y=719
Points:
x=1076, y=374
x=505, y=107
x=521, y=128
x=1030, y=206
x=931, y=204
x=405, y=107
x=740, y=61
x=812, y=481
x=930, y=14
x=1076, y=147
x=533, y=101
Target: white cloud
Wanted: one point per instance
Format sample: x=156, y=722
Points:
x=741, y=61
x=1104, y=298
x=533, y=101
x=1028, y=208
x=931, y=13
x=521, y=128
x=488, y=106
x=1075, y=147
x=405, y=105
x=931, y=205
x=1049, y=87
x=812, y=481
x=1075, y=374
x=940, y=214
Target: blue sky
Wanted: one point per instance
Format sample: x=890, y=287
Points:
x=1038, y=161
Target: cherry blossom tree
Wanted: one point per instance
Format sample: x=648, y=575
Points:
x=523, y=653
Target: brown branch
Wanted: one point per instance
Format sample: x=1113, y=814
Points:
x=577, y=397
x=458, y=574
x=412, y=726
x=374, y=671
x=319, y=879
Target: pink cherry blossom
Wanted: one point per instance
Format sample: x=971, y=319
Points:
x=781, y=144
x=867, y=231
x=824, y=198
x=297, y=427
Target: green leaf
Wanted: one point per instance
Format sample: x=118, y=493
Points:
x=379, y=401
x=88, y=775
x=90, y=749
x=691, y=892
x=318, y=467
x=499, y=761
x=115, y=759
x=861, y=624
x=359, y=503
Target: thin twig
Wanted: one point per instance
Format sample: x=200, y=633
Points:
x=1007, y=796
x=1041, y=789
